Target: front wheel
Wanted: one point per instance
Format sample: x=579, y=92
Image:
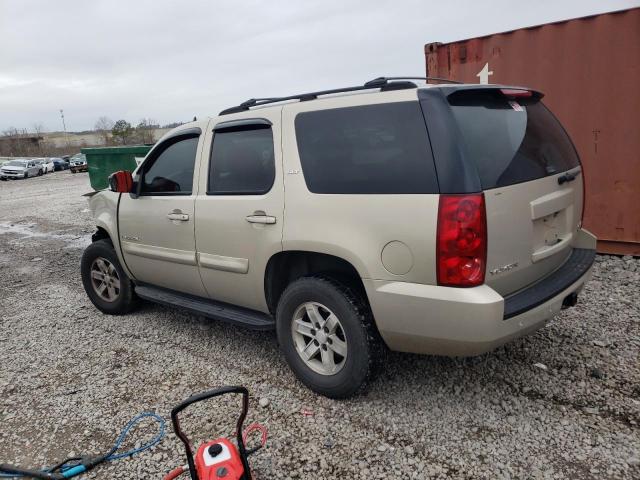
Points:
x=327, y=335
x=104, y=280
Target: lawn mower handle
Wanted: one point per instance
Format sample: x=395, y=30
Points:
x=204, y=396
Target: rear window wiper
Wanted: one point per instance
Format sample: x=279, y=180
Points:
x=567, y=177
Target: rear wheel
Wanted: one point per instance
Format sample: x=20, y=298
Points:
x=327, y=335
x=104, y=280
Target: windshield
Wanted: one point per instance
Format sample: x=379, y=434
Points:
x=510, y=141
x=15, y=163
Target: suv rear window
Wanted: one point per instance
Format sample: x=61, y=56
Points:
x=381, y=148
x=510, y=141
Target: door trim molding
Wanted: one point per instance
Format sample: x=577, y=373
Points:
x=225, y=264
x=183, y=257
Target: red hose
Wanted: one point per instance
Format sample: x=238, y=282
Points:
x=176, y=472
x=255, y=427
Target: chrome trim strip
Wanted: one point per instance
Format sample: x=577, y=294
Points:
x=182, y=257
x=225, y=264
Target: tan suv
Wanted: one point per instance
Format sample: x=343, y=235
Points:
x=440, y=220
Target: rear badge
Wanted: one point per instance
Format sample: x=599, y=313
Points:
x=505, y=268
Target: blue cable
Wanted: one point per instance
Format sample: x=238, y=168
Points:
x=71, y=470
x=135, y=420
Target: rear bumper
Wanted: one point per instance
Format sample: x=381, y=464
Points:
x=573, y=269
x=436, y=320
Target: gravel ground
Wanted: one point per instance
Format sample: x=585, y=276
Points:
x=562, y=403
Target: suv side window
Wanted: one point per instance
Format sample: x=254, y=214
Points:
x=171, y=172
x=370, y=149
x=242, y=161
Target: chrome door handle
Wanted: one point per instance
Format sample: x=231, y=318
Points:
x=181, y=217
x=264, y=219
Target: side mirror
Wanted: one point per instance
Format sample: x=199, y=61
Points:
x=121, y=182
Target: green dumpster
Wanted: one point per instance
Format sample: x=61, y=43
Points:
x=103, y=161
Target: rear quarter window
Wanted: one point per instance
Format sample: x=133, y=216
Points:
x=510, y=141
x=372, y=149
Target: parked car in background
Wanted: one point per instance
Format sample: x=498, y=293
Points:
x=47, y=165
x=20, y=168
x=78, y=163
x=38, y=162
x=60, y=164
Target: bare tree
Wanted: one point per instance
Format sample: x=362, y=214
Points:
x=38, y=130
x=103, y=126
x=11, y=132
x=17, y=142
x=145, y=131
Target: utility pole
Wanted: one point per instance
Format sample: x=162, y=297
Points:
x=64, y=127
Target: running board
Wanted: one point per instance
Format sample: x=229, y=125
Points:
x=207, y=308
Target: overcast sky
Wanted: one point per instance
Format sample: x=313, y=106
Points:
x=171, y=60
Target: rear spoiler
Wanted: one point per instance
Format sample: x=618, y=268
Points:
x=508, y=90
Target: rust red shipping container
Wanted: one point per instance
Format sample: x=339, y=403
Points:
x=589, y=70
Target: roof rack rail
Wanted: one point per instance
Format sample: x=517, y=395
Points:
x=383, y=83
x=385, y=80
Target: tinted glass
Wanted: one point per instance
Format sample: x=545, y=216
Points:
x=172, y=170
x=510, y=141
x=370, y=149
x=242, y=161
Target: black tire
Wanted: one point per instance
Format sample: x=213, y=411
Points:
x=365, y=347
x=126, y=299
x=26, y=175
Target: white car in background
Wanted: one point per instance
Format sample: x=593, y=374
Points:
x=47, y=165
x=40, y=163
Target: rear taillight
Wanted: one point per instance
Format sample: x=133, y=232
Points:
x=461, y=250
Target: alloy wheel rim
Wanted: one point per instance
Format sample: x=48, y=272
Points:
x=319, y=338
x=105, y=280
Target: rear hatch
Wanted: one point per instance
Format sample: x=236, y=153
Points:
x=531, y=177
